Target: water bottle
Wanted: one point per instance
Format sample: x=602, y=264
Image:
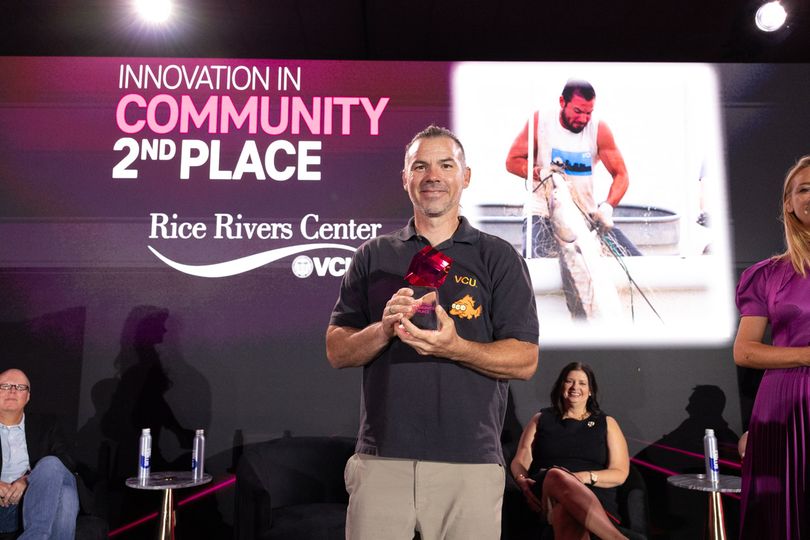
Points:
x=198, y=455
x=145, y=454
x=710, y=452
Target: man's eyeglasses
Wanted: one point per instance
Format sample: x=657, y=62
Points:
x=18, y=387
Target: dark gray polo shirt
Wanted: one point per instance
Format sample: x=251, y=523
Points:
x=424, y=407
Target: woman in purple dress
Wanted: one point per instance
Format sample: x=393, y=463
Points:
x=776, y=291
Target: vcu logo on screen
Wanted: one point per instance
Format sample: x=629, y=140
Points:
x=303, y=266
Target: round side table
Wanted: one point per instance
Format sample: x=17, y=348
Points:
x=167, y=481
x=699, y=482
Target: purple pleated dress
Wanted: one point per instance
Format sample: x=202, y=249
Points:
x=775, y=475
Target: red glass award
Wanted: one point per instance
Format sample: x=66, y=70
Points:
x=426, y=273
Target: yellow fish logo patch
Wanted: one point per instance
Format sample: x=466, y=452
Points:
x=464, y=308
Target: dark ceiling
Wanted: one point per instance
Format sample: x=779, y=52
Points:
x=633, y=30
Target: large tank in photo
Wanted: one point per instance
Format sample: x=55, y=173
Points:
x=655, y=231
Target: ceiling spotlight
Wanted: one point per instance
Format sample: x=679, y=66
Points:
x=154, y=11
x=770, y=16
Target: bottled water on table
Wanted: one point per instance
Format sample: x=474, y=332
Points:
x=710, y=453
x=198, y=455
x=145, y=454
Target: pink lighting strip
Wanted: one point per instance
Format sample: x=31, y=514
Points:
x=727, y=463
x=212, y=489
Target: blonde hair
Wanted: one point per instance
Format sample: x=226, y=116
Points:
x=797, y=235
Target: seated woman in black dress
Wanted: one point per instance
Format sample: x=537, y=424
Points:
x=571, y=458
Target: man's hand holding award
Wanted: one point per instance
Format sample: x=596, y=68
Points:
x=426, y=273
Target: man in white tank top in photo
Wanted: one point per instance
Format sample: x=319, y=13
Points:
x=573, y=137
x=573, y=141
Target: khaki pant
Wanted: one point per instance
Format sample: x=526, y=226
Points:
x=389, y=499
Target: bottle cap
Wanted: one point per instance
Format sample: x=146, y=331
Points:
x=146, y=431
x=709, y=431
x=200, y=432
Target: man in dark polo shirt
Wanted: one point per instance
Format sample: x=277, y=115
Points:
x=428, y=455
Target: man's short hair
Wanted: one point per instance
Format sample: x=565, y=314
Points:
x=578, y=86
x=433, y=131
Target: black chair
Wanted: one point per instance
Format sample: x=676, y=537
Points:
x=91, y=523
x=87, y=528
x=292, y=488
x=634, y=508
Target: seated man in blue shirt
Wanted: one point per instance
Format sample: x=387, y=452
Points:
x=35, y=473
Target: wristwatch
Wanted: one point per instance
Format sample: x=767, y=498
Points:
x=594, y=478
